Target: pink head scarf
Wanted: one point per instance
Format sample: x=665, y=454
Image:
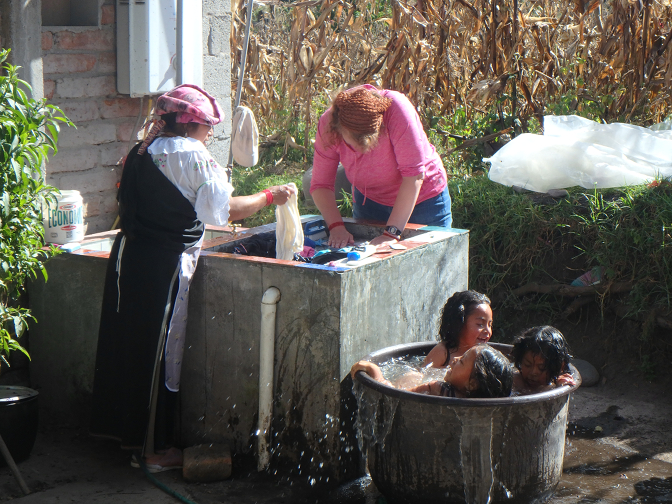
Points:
x=190, y=102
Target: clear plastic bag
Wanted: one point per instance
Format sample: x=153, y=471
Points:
x=577, y=151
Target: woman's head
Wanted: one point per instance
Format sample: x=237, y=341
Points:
x=191, y=104
x=466, y=320
x=357, y=116
x=186, y=110
x=541, y=354
x=482, y=371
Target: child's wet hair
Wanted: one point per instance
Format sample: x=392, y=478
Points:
x=454, y=314
x=546, y=341
x=493, y=373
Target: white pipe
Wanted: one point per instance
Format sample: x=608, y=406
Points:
x=266, y=357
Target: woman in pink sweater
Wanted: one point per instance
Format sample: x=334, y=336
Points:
x=397, y=175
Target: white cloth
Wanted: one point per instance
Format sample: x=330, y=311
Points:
x=244, y=137
x=288, y=230
x=178, y=322
x=190, y=167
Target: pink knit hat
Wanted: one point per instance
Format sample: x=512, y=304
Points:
x=192, y=104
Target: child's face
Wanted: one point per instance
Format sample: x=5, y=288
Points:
x=534, y=370
x=478, y=327
x=459, y=371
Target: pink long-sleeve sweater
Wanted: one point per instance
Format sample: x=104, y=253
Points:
x=403, y=150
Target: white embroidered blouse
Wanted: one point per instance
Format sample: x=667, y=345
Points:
x=187, y=163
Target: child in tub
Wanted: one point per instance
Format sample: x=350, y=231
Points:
x=466, y=320
x=541, y=357
x=481, y=371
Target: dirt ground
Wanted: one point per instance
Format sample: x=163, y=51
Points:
x=67, y=465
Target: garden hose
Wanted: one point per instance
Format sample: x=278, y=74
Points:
x=160, y=485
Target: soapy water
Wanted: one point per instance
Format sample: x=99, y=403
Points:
x=396, y=370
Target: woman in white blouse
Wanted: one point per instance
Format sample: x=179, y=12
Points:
x=170, y=188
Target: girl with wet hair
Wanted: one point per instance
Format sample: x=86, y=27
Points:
x=541, y=357
x=466, y=320
x=482, y=372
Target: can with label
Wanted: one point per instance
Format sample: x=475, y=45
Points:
x=64, y=221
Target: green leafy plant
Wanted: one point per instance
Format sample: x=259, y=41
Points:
x=28, y=131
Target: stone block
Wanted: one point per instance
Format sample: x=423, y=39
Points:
x=92, y=181
x=85, y=87
x=107, y=15
x=107, y=62
x=80, y=111
x=216, y=8
x=68, y=63
x=218, y=36
x=108, y=202
x=206, y=463
x=120, y=107
x=112, y=154
x=91, y=40
x=99, y=223
x=49, y=88
x=126, y=131
x=91, y=204
x=47, y=41
x=73, y=159
x=91, y=133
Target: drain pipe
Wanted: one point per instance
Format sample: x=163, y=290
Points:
x=266, y=359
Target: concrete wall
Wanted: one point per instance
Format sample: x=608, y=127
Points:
x=19, y=30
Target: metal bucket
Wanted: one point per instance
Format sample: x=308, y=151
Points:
x=18, y=420
x=440, y=449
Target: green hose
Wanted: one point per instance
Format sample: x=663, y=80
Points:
x=160, y=485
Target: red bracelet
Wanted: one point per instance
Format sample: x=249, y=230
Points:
x=385, y=233
x=269, y=196
x=336, y=224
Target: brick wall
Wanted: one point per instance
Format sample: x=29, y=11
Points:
x=80, y=77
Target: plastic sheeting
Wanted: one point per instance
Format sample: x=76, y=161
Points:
x=577, y=151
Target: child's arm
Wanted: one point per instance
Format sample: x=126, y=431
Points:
x=429, y=388
x=369, y=368
x=565, y=379
x=437, y=356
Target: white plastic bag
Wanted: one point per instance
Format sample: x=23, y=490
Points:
x=577, y=151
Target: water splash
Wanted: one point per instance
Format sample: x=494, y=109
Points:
x=476, y=454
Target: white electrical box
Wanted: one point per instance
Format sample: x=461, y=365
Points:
x=159, y=45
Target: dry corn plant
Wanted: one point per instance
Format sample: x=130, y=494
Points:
x=449, y=54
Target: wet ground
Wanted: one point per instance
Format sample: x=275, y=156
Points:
x=618, y=450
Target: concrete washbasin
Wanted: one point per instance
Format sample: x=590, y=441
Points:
x=326, y=318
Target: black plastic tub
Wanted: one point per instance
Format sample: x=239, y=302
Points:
x=18, y=421
x=422, y=448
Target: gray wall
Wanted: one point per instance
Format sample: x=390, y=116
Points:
x=217, y=69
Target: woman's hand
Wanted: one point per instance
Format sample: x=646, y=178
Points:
x=281, y=193
x=340, y=237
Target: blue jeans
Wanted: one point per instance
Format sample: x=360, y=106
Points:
x=432, y=212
